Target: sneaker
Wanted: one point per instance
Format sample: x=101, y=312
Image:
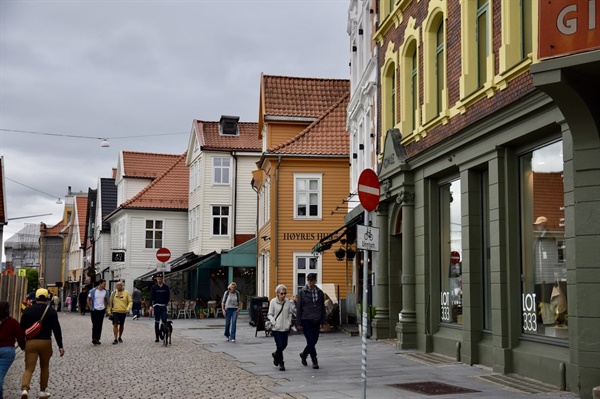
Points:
x=156, y=340
x=134, y=317
x=227, y=339
x=275, y=361
x=115, y=342
x=24, y=394
x=303, y=357
x=233, y=340
x=281, y=366
x=44, y=395
x=120, y=340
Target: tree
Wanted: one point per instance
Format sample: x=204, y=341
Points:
x=32, y=279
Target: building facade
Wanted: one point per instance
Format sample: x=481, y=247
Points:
x=486, y=209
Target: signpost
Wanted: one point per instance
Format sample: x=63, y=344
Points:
x=163, y=255
x=368, y=240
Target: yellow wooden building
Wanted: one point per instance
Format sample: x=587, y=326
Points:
x=301, y=180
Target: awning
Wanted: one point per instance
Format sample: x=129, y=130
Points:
x=208, y=261
x=346, y=230
x=179, y=264
x=244, y=255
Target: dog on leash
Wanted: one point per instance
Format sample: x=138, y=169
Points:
x=166, y=330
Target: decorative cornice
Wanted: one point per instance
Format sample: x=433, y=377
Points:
x=406, y=197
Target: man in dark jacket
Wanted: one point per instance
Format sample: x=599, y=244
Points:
x=160, y=295
x=40, y=345
x=311, y=315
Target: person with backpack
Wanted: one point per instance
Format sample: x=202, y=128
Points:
x=119, y=305
x=231, y=306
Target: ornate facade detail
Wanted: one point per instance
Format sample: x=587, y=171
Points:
x=386, y=185
x=406, y=197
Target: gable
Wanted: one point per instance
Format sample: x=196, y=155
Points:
x=393, y=155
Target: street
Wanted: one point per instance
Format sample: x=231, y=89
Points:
x=200, y=364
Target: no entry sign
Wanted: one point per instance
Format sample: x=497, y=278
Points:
x=368, y=190
x=163, y=254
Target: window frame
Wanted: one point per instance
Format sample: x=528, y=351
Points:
x=220, y=216
x=319, y=191
x=222, y=168
x=317, y=269
x=156, y=242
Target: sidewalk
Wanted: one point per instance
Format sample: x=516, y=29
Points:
x=201, y=364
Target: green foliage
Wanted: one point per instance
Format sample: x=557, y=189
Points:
x=32, y=279
x=370, y=313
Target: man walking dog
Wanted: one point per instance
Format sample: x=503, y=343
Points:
x=120, y=305
x=160, y=295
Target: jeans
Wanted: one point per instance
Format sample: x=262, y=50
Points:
x=160, y=314
x=281, y=342
x=137, y=306
x=231, y=315
x=7, y=355
x=311, y=333
x=97, y=320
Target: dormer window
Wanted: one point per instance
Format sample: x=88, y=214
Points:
x=228, y=125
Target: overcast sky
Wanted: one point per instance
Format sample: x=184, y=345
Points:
x=116, y=69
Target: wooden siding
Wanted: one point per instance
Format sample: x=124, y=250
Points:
x=278, y=133
x=132, y=187
x=246, y=201
x=335, y=188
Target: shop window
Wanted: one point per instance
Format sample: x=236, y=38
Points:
x=451, y=253
x=304, y=264
x=544, y=273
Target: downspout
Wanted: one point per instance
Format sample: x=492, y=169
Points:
x=235, y=208
x=277, y=221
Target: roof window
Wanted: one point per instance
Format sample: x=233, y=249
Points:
x=228, y=125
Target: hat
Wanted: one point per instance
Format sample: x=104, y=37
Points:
x=41, y=292
x=312, y=276
x=540, y=220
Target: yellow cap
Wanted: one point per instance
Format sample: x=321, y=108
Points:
x=41, y=292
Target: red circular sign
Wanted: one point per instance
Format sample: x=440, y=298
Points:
x=454, y=257
x=368, y=190
x=163, y=254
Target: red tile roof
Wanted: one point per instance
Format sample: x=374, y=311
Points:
x=325, y=136
x=300, y=97
x=81, y=204
x=54, y=230
x=207, y=134
x=145, y=164
x=168, y=191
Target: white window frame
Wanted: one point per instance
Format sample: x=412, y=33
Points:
x=220, y=216
x=318, y=268
x=154, y=229
x=319, y=192
x=193, y=223
x=223, y=169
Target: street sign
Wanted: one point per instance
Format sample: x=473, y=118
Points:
x=368, y=190
x=22, y=272
x=163, y=267
x=367, y=238
x=163, y=254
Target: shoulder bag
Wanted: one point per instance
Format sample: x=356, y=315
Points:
x=36, y=327
x=269, y=324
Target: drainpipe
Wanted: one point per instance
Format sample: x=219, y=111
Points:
x=235, y=210
x=277, y=222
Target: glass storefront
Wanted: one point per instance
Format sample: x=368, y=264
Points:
x=451, y=253
x=544, y=274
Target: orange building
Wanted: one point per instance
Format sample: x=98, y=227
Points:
x=301, y=181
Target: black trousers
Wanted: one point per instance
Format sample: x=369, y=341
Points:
x=97, y=320
x=311, y=328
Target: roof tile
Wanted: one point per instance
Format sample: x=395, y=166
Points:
x=146, y=164
x=247, y=140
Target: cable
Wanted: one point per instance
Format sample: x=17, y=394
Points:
x=90, y=137
x=31, y=188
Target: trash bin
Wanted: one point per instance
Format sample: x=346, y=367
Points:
x=256, y=304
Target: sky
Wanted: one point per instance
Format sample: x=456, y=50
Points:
x=138, y=73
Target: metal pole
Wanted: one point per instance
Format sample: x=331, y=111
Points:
x=363, y=375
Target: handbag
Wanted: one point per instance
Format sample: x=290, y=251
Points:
x=36, y=327
x=270, y=324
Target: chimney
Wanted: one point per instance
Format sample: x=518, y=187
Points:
x=114, y=173
x=228, y=125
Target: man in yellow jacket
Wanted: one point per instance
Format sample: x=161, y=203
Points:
x=120, y=305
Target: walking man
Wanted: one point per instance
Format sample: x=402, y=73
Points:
x=311, y=315
x=98, y=302
x=160, y=295
x=120, y=305
x=136, y=297
x=40, y=346
x=82, y=299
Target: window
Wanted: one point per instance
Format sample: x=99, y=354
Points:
x=414, y=87
x=193, y=223
x=194, y=176
x=544, y=273
x=482, y=41
x=518, y=34
x=439, y=67
x=305, y=263
x=526, y=28
x=307, y=196
x=221, y=168
x=154, y=234
x=388, y=99
x=434, y=68
x=409, y=88
x=451, y=253
x=220, y=220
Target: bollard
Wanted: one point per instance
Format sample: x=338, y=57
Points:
x=458, y=351
x=562, y=369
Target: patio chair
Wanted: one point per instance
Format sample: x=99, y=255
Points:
x=183, y=311
x=191, y=310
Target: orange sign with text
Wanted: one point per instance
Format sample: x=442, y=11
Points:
x=568, y=27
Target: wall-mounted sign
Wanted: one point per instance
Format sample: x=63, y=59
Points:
x=568, y=26
x=367, y=238
x=118, y=256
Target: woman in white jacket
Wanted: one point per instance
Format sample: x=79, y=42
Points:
x=280, y=314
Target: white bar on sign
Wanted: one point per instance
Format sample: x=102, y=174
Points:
x=368, y=189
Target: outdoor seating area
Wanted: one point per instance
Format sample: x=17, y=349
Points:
x=185, y=309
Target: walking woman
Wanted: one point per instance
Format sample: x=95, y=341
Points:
x=10, y=331
x=280, y=314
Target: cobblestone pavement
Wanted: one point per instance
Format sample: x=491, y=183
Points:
x=137, y=368
x=201, y=364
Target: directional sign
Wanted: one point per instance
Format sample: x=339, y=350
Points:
x=367, y=238
x=163, y=254
x=368, y=190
